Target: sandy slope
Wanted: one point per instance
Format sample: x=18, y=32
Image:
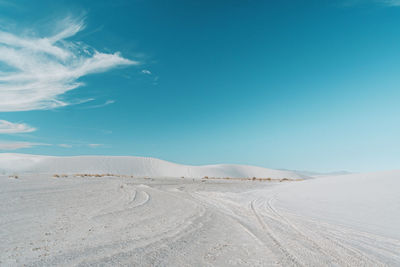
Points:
x=366, y=201
x=137, y=166
x=350, y=220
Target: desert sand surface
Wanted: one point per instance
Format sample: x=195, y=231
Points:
x=146, y=221
x=136, y=166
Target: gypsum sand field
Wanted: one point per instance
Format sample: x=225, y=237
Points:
x=69, y=221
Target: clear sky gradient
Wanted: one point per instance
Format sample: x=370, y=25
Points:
x=310, y=85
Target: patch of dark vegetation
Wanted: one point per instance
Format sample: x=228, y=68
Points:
x=96, y=175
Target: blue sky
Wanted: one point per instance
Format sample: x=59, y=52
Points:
x=311, y=85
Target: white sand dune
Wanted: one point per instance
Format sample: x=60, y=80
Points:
x=366, y=201
x=347, y=220
x=136, y=166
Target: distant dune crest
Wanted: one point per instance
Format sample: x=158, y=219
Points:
x=136, y=166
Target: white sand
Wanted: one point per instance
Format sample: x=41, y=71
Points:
x=351, y=220
x=137, y=166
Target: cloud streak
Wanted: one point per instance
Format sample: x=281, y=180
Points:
x=18, y=145
x=146, y=72
x=94, y=145
x=387, y=3
x=80, y=145
x=108, y=102
x=7, y=127
x=65, y=145
x=391, y=2
x=39, y=70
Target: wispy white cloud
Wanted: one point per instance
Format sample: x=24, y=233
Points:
x=150, y=74
x=390, y=2
x=7, y=127
x=94, y=145
x=41, y=69
x=108, y=102
x=146, y=72
x=18, y=145
x=65, y=145
x=80, y=145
